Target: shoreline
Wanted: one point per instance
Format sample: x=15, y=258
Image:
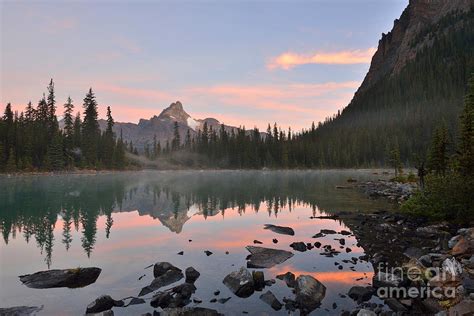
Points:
x=380, y=171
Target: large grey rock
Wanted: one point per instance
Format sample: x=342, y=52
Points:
x=271, y=300
x=280, y=229
x=102, y=303
x=261, y=257
x=240, y=282
x=309, y=293
x=161, y=268
x=169, y=277
x=71, y=278
x=20, y=310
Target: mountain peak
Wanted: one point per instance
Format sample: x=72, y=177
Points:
x=175, y=112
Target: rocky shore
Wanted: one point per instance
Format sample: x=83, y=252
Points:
x=410, y=255
x=392, y=190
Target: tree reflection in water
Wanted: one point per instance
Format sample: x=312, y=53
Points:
x=31, y=206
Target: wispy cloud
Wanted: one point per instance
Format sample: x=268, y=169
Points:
x=289, y=60
x=294, y=104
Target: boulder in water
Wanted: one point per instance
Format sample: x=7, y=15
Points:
x=71, y=278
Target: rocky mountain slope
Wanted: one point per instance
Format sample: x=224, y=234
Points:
x=416, y=82
x=412, y=32
x=163, y=126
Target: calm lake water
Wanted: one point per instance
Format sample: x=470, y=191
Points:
x=124, y=222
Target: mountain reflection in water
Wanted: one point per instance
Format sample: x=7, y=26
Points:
x=126, y=221
x=34, y=206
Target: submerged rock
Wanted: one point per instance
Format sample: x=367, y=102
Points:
x=240, y=282
x=71, y=278
x=136, y=301
x=309, y=293
x=102, y=303
x=280, y=229
x=271, y=300
x=224, y=300
x=261, y=257
x=178, y=296
x=20, y=310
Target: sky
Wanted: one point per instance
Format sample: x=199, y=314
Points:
x=246, y=63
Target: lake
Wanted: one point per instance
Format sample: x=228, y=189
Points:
x=125, y=222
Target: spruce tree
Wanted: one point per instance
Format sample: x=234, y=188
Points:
x=90, y=130
x=77, y=131
x=51, y=103
x=68, y=119
x=55, y=153
x=395, y=161
x=438, y=154
x=109, y=140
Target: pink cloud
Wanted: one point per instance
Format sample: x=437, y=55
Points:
x=294, y=104
x=289, y=60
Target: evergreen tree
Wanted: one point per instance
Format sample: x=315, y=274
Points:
x=176, y=142
x=109, y=140
x=68, y=119
x=68, y=130
x=77, y=131
x=395, y=161
x=55, y=153
x=51, y=103
x=90, y=130
x=438, y=153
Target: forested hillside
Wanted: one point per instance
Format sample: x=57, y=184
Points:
x=403, y=107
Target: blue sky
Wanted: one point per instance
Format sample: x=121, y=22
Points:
x=243, y=62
